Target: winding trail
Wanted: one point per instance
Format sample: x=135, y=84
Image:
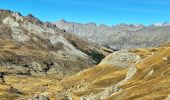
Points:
x=114, y=89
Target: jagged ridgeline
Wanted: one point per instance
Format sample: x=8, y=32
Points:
x=121, y=36
x=31, y=47
x=37, y=59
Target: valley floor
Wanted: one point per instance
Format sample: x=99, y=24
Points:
x=140, y=74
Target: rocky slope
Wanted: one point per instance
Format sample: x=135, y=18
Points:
x=40, y=53
x=140, y=74
x=37, y=59
x=30, y=47
x=121, y=36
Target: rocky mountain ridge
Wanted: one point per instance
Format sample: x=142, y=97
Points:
x=32, y=46
x=39, y=61
x=121, y=36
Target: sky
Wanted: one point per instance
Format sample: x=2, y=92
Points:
x=109, y=12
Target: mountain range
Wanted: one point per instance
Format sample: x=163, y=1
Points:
x=73, y=61
x=34, y=46
x=121, y=36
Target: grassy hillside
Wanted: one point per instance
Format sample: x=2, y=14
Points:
x=150, y=81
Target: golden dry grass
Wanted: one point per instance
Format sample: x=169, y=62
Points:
x=28, y=85
x=151, y=81
x=146, y=85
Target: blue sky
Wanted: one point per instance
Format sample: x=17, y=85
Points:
x=107, y=12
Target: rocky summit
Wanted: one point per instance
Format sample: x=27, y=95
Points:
x=33, y=46
x=120, y=36
x=56, y=61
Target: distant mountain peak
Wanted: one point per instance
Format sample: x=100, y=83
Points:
x=62, y=20
x=92, y=23
x=2, y=10
x=119, y=36
x=162, y=24
x=30, y=16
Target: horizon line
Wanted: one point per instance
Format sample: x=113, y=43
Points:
x=85, y=22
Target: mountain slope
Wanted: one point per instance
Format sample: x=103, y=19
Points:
x=120, y=36
x=142, y=74
x=32, y=46
x=37, y=60
x=127, y=74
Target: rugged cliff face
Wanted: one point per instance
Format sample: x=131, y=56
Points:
x=31, y=47
x=38, y=61
x=120, y=36
x=36, y=50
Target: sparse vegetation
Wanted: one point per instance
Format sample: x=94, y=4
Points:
x=38, y=61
